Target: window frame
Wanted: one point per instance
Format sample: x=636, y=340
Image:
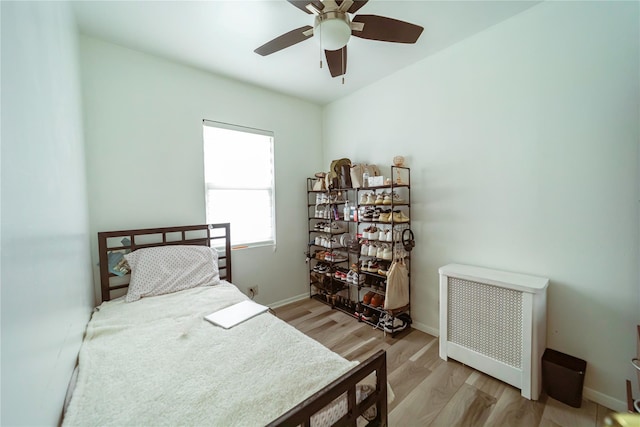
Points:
x=271, y=190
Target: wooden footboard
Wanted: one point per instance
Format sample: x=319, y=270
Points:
x=302, y=413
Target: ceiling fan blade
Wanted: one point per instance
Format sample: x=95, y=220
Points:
x=337, y=61
x=288, y=39
x=387, y=29
x=357, y=4
x=302, y=4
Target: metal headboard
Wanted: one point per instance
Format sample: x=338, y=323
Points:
x=212, y=235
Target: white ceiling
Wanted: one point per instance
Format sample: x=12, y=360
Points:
x=220, y=36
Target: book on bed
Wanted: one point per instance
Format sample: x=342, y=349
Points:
x=235, y=314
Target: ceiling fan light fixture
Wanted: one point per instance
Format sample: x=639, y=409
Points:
x=332, y=30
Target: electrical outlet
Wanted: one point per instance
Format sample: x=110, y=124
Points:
x=253, y=291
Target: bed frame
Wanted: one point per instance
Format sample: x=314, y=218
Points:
x=218, y=236
x=212, y=235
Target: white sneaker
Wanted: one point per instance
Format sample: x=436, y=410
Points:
x=397, y=324
x=364, y=250
x=372, y=250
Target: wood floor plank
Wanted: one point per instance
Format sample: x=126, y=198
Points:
x=512, y=409
x=424, y=404
x=467, y=407
x=557, y=413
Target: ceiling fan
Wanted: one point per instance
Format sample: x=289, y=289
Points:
x=333, y=27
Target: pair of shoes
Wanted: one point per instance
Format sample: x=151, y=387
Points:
x=392, y=199
x=380, y=198
x=366, y=299
x=321, y=268
x=368, y=214
x=371, y=266
x=368, y=199
x=334, y=228
x=367, y=315
x=370, y=232
x=320, y=226
x=340, y=274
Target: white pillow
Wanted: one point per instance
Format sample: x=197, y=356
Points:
x=165, y=269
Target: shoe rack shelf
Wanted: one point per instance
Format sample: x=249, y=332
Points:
x=354, y=235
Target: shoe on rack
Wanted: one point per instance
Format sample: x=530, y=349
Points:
x=373, y=250
x=367, y=315
x=387, y=253
x=385, y=217
x=373, y=267
x=383, y=269
x=377, y=300
x=336, y=228
x=399, y=216
x=379, y=198
x=349, y=278
x=367, y=215
x=371, y=199
x=397, y=324
x=381, y=321
x=364, y=249
x=358, y=278
x=396, y=199
x=367, y=298
x=389, y=236
x=364, y=198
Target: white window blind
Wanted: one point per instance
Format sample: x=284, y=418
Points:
x=239, y=181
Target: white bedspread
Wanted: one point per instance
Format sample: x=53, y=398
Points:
x=156, y=362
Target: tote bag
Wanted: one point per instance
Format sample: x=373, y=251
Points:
x=397, y=295
x=358, y=170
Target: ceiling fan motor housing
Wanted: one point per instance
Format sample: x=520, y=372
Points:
x=332, y=30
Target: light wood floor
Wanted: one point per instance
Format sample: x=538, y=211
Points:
x=429, y=391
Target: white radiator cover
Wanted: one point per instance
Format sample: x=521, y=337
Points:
x=495, y=322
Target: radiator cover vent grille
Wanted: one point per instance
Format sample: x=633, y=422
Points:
x=486, y=319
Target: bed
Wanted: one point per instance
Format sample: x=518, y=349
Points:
x=154, y=360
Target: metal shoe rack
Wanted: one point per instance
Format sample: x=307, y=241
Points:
x=340, y=221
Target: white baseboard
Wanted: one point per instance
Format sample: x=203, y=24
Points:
x=604, y=400
x=426, y=329
x=288, y=300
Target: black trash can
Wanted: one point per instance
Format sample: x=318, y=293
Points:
x=563, y=377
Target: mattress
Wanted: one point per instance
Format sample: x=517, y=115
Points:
x=156, y=361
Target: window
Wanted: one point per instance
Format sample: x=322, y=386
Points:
x=239, y=181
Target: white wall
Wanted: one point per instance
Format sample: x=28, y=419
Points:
x=47, y=293
x=144, y=154
x=523, y=143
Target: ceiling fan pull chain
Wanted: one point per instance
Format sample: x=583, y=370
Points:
x=343, y=59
